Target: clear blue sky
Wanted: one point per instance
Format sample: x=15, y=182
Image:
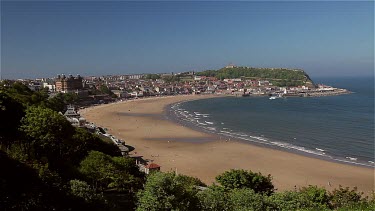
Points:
x=42, y=39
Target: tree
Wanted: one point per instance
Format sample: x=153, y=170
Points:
x=310, y=198
x=21, y=188
x=294, y=77
x=246, y=199
x=98, y=168
x=214, y=198
x=246, y=179
x=83, y=190
x=105, y=90
x=168, y=191
x=344, y=197
x=56, y=103
x=287, y=200
x=11, y=112
x=47, y=131
x=127, y=177
x=104, y=171
x=20, y=93
x=152, y=76
x=315, y=195
x=83, y=141
x=70, y=98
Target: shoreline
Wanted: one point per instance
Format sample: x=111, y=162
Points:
x=169, y=112
x=141, y=123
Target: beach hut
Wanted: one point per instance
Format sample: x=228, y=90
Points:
x=151, y=167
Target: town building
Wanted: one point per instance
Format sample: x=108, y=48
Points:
x=68, y=84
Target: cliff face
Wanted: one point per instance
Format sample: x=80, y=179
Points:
x=278, y=76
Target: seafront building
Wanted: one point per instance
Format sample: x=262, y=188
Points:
x=73, y=117
x=68, y=84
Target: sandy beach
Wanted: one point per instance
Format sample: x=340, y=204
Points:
x=143, y=125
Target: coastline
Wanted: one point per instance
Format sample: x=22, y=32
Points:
x=172, y=114
x=142, y=124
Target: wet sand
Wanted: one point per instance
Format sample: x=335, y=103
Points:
x=143, y=124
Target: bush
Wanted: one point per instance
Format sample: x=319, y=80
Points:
x=213, y=198
x=168, y=191
x=82, y=190
x=246, y=199
x=344, y=197
x=307, y=198
x=246, y=179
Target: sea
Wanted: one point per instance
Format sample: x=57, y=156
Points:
x=337, y=128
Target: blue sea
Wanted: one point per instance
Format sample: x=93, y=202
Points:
x=337, y=128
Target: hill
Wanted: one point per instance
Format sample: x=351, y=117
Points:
x=277, y=76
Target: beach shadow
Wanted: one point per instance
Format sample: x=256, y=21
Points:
x=130, y=148
x=130, y=114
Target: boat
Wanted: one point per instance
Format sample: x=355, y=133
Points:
x=245, y=95
x=274, y=97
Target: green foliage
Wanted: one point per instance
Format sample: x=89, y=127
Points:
x=11, y=112
x=288, y=200
x=98, y=168
x=344, y=197
x=47, y=130
x=104, y=171
x=47, y=176
x=127, y=175
x=170, y=79
x=82, y=190
x=50, y=136
x=58, y=102
x=278, y=76
x=308, y=198
x=70, y=98
x=315, y=195
x=190, y=181
x=213, y=198
x=246, y=179
x=289, y=82
x=21, y=188
x=48, y=150
x=22, y=94
x=152, y=76
x=168, y=191
x=360, y=206
x=246, y=199
x=105, y=90
x=208, y=73
x=84, y=141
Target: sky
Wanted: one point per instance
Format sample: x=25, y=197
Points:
x=325, y=38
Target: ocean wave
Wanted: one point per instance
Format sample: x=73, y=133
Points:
x=352, y=162
x=351, y=158
x=193, y=118
x=201, y=123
